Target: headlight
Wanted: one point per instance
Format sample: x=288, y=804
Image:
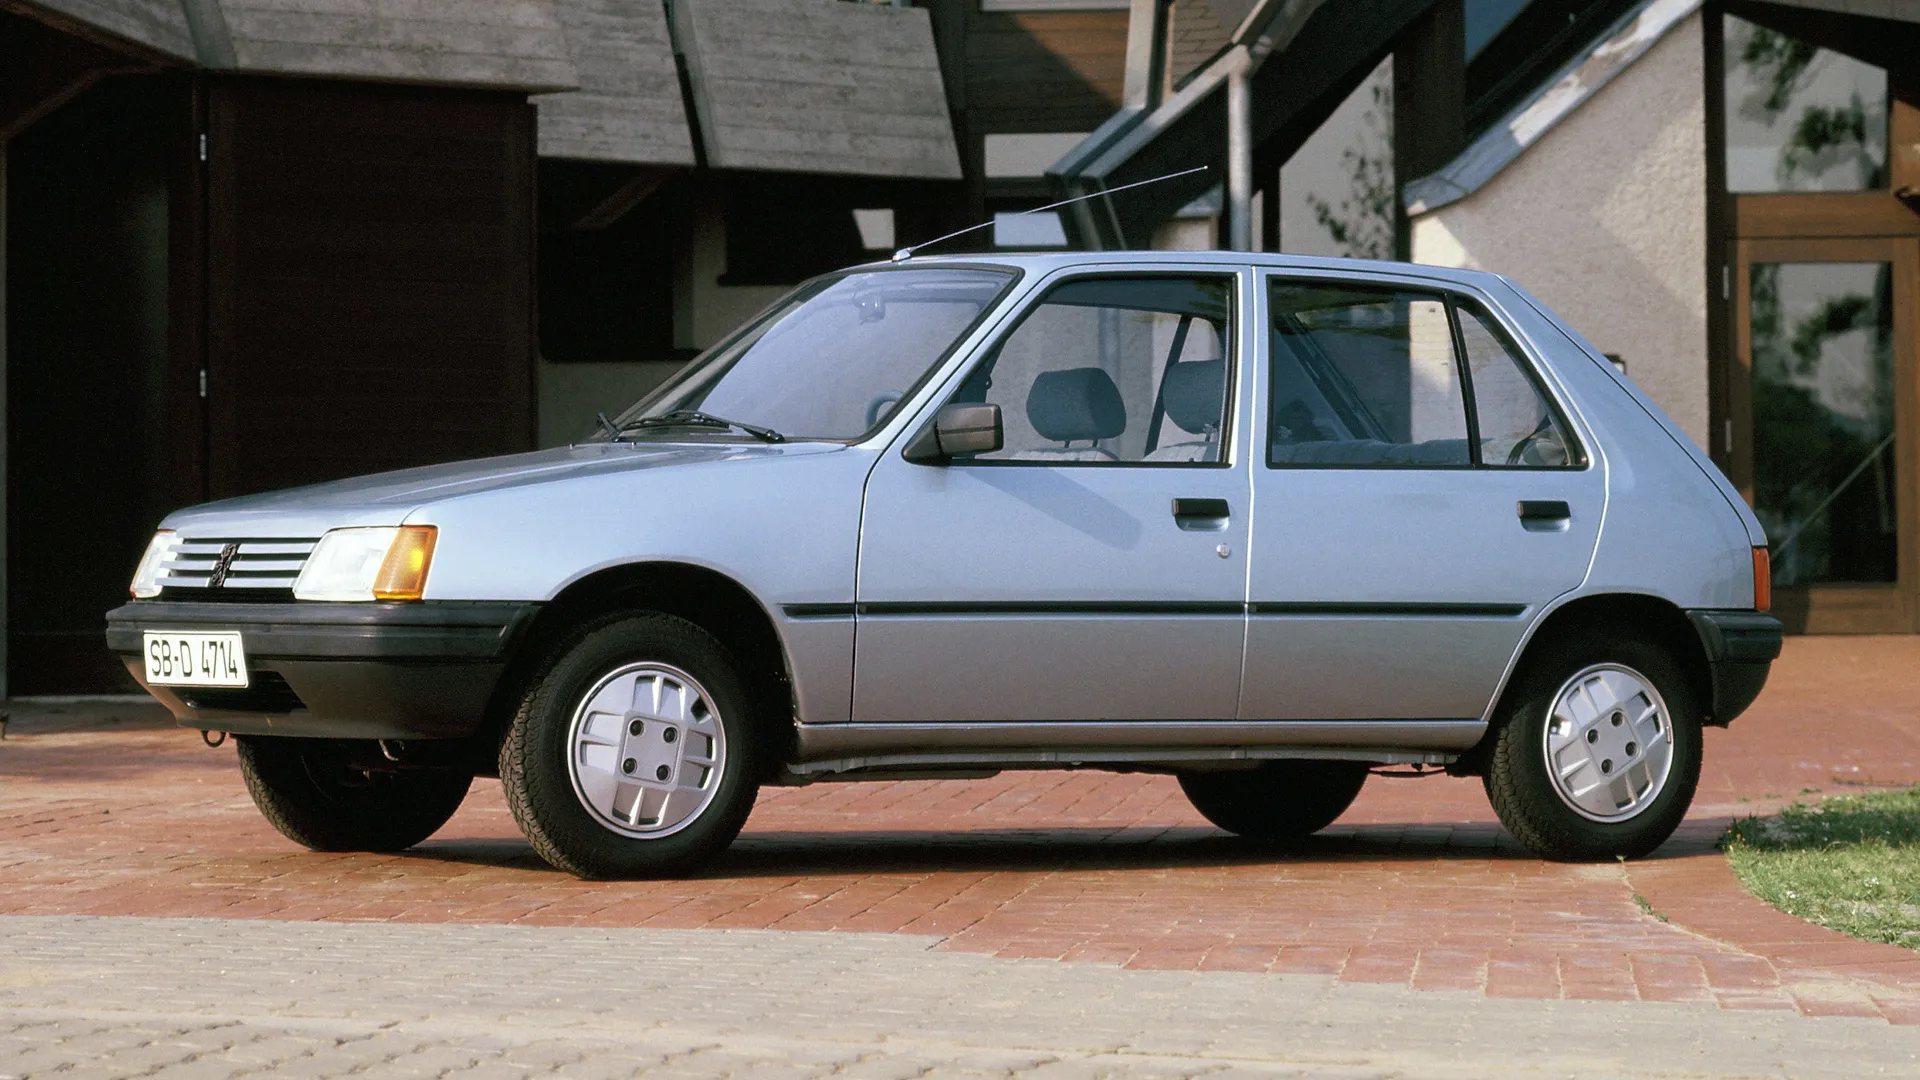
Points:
x=146, y=580
x=388, y=563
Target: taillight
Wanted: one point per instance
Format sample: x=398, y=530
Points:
x=1762, y=580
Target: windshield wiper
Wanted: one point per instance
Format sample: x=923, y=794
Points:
x=696, y=418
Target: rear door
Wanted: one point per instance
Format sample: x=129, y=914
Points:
x=1418, y=497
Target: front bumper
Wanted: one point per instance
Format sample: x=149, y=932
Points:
x=1741, y=647
x=421, y=670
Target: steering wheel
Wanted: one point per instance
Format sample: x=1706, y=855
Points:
x=879, y=405
x=1520, y=448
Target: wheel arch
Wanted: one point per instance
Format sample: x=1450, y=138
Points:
x=1650, y=617
x=711, y=600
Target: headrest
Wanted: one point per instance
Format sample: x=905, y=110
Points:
x=1076, y=403
x=1194, y=394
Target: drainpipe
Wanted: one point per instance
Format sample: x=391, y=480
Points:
x=1239, y=154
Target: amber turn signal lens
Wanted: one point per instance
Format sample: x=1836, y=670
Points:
x=1762, y=579
x=403, y=576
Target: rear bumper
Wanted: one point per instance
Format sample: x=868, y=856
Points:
x=1741, y=647
x=345, y=671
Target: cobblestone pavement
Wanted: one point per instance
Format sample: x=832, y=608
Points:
x=1415, y=905
x=207, y=998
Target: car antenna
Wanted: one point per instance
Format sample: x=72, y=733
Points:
x=906, y=253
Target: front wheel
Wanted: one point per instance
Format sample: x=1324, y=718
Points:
x=325, y=796
x=633, y=754
x=1278, y=800
x=1597, y=749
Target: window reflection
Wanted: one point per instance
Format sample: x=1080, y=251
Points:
x=1823, y=443
x=1799, y=117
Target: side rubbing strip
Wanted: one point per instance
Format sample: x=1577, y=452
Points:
x=1436, y=611
x=1090, y=608
x=817, y=611
x=1154, y=607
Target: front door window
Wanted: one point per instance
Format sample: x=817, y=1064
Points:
x=1113, y=370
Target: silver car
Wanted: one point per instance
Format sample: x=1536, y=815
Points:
x=1264, y=523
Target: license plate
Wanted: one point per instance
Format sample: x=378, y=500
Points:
x=196, y=659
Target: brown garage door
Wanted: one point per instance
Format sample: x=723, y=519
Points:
x=369, y=279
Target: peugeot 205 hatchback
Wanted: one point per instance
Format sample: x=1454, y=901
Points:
x=1262, y=523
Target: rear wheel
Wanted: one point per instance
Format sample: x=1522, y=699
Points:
x=1277, y=800
x=1597, y=749
x=323, y=795
x=633, y=755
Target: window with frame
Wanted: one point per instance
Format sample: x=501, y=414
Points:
x=1367, y=376
x=1114, y=370
x=1518, y=426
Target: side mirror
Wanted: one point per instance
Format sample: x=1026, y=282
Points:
x=956, y=430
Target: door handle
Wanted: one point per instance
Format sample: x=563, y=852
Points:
x=1201, y=513
x=1544, y=515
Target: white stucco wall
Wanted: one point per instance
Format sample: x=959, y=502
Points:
x=1605, y=220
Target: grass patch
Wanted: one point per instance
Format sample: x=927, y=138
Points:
x=1851, y=863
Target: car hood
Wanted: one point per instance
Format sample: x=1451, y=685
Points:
x=387, y=498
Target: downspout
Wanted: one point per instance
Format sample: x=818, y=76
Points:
x=1239, y=153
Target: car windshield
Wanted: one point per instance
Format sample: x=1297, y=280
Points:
x=831, y=361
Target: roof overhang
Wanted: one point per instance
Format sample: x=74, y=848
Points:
x=811, y=87
x=492, y=44
x=629, y=108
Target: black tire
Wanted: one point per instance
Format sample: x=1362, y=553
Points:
x=1278, y=800
x=1518, y=782
x=534, y=759
x=311, y=790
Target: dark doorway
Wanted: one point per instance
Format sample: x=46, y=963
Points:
x=88, y=462
x=370, y=279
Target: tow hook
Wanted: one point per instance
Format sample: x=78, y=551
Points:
x=391, y=749
x=213, y=738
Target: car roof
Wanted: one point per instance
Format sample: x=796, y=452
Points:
x=1046, y=262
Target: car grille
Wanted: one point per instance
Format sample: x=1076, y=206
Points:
x=255, y=567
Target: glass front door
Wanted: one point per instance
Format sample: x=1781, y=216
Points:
x=1825, y=335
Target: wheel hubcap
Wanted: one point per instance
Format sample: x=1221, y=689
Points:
x=1609, y=743
x=646, y=750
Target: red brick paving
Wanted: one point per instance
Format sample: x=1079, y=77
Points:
x=110, y=811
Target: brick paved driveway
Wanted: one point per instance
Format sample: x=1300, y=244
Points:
x=107, y=811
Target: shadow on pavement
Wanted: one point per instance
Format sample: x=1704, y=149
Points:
x=788, y=853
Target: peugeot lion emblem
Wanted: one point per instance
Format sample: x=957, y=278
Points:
x=222, y=565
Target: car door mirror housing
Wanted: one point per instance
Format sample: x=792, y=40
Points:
x=958, y=429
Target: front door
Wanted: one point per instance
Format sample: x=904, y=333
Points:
x=1417, y=498
x=1824, y=335
x=1094, y=568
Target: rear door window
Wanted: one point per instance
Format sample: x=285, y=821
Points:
x=1387, y=377
x=1364, y=377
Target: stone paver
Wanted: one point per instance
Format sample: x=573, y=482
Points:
x=110, y=811
x=121, y=997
